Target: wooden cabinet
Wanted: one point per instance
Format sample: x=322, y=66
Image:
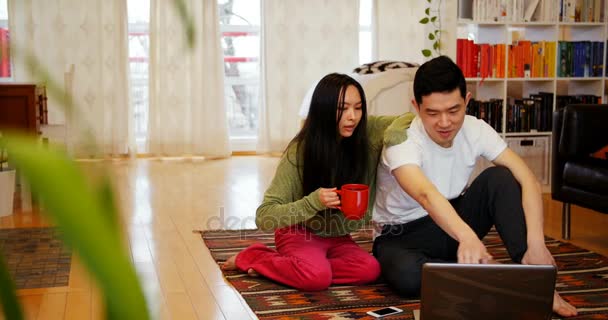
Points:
x=22, y=107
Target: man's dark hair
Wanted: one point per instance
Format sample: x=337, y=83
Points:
x=327, y=160
x=439, y=74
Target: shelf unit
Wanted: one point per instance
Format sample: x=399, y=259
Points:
x=535, y=146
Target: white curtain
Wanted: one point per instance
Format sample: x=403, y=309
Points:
x=91, y=36
x=187, y=113
x=301, y=42
x=399, y=35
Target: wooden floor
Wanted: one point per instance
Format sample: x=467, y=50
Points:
x=162, y=201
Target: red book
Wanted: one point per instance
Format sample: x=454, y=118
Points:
x=460, y=48
x=474, y=65
x=468, y=61
x=5, y=65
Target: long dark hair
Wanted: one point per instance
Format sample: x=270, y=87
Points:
x=327, y=160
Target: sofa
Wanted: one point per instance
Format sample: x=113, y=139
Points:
x=577, y=177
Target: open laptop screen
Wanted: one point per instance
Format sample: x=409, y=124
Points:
x=487, y=291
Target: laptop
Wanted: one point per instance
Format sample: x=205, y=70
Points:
x=486, y=291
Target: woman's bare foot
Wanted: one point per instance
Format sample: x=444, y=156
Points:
x=230, y=264
x=252, y=273
x=561, y=307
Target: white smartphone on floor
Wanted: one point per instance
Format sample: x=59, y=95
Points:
x=379, y=313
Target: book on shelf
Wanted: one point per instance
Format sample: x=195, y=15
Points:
x=530, y=9
x=5, y=65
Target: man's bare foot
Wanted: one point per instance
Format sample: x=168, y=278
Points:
x=252, y=273
x=561, y=307
x=541, y=255
x=230, y=264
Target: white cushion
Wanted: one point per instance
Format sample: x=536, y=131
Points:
x=373, y=84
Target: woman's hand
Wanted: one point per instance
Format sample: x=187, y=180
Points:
x=329, y=197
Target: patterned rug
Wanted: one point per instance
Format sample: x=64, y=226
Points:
x=582, y=280
x=36, y=257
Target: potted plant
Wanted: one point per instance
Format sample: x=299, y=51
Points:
x=7, y=185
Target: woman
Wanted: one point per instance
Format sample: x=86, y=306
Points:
x=337, y=145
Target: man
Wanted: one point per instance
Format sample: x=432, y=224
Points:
x=423, y=205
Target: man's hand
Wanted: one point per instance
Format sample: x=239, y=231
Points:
x=329, y=197
x=472, y=250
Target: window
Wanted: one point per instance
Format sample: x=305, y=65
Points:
x=365, y=31
x=139, y=49
x=5, y=61
x=240, y=27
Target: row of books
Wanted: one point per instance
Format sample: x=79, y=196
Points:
x=529, y=59
x=581, y=59
x=534, y=114
x=480, y=60
x=514, y=10
x=531, y=114
x=581, y=10
x=488, y=111
x=564, y=100
x=498, y=10
x=535, y=10
x=5, y=65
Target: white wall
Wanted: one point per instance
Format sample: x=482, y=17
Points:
x=400, y=36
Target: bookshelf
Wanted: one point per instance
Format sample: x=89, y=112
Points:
x=523, y=59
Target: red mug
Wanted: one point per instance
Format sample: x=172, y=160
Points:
x=353, y=198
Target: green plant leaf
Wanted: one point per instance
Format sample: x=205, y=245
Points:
x=106, y=199
x=433, y=19
x=427, y=11
x=424, y=20
x=429, y=1
x=436, y=45
x=182, y=10
x=8, y=298
x=431, y=36
x=426, y=52
x=78, y=210
x=437, y=31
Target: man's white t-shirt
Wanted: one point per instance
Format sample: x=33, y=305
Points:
x=448, y=169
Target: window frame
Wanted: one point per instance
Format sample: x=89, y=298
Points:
x=241, y=143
